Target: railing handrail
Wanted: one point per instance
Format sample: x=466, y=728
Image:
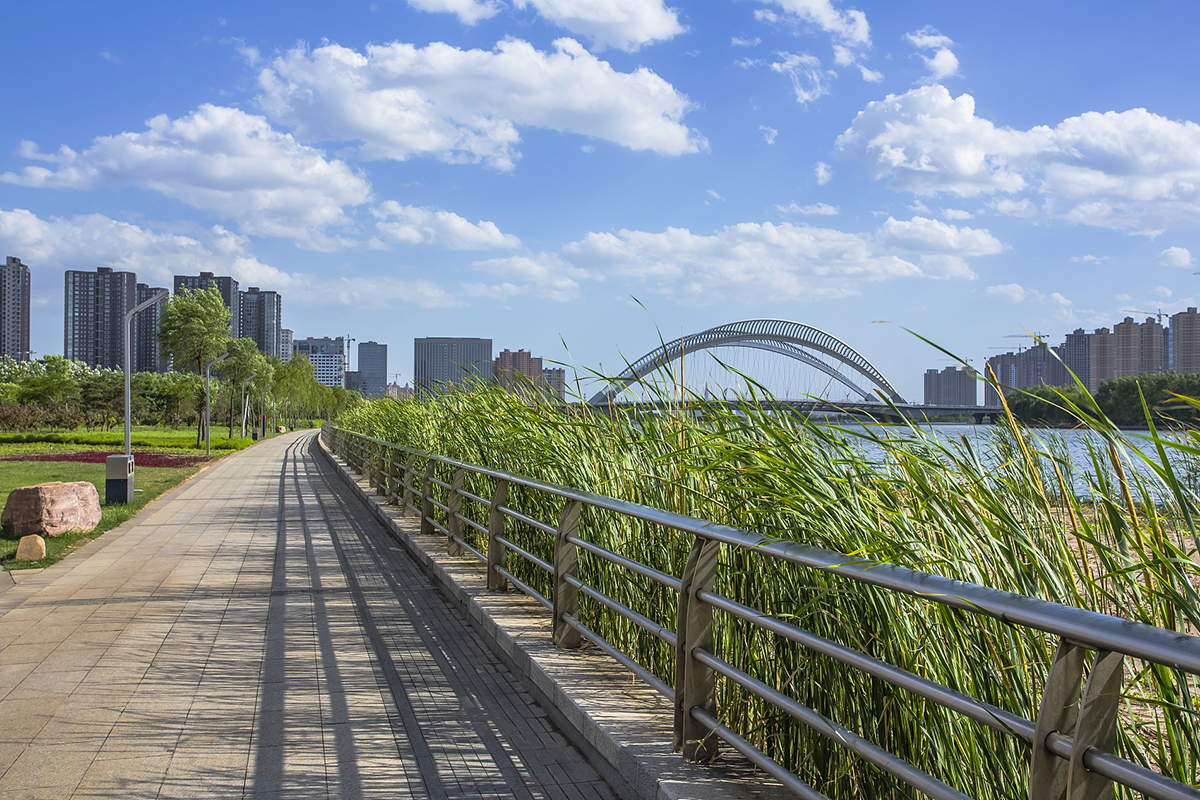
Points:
x=1090, y=628
x=1072, y=739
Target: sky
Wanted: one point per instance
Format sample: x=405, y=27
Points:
x=581, y=178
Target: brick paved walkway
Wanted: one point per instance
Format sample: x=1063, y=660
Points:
x=256, y=634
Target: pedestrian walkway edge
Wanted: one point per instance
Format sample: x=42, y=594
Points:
x=622, y=726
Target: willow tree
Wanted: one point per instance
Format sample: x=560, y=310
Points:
x=193, y=329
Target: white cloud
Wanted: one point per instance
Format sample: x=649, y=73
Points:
x=769, y=133
x=588, y=148
x=943, y=63
x=814, y=210
x=221, y=160
x=85, y=242
x=545, y=275
x=824, y=173
x=712, y=193
x=443, y=229
x=1163, y=291
x=1133, y=170
x=956, y=213
x=744, y=263
x=1017, y=293
x=1179, y=257
x=1023, y=208
x=846, y=28
x=1009, y=291
x=1123, y=297
x=1090, y=259
x=870, y=75
x=809, y=81
x=465, y=106
x=623, y=24
x=109, y=57
x=738, y=41
x=468, y=11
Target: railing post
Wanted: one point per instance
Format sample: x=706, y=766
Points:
x=566, y=562
x=695, y=683
x=427, y=499
x=496, y=549
x=393, y=475
x=454, y=504
x=407, y=487
x=380, y=449
x=1090, y=722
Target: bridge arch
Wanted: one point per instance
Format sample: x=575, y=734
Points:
x=798, y=341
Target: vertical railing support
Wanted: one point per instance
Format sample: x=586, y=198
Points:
x=695, y=683
x=566, y=562
x=380, y=451
x=392, y=478
x=1091, y=722
x=495, y=548
x=454, y=506
x=427, y=499
x=407, y=488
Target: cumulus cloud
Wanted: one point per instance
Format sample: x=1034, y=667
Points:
x=814, y=210
x=746, y=262
x=220, y=160
x=466, y=106
x=1175, y=257
x=1163, y=291
x=622, y=24
x=1090, y=259
x=468, y=11
x=848, y=30
x=443, y=229
x=1133, y=171
x=942, y=63
x=1023, y=208
x=956, y=213
x=88, y=241
x=809, y=81
x=769, y=133
x=1017, y=293
x=824, y=173
x=738, y=41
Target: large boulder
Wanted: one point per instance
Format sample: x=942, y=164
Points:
x=52, y=508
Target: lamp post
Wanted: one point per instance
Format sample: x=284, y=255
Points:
x=207, y=426
x=252, y=377
x=118, y=470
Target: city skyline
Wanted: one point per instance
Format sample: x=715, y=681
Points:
x=833, y=163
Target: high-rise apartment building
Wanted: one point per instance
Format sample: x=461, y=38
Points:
x=1185, y=341
x=372, y=364
x=953, y=386
x=1102, y=358
x=554, y=382
x=14, y=310
x=514, y=370
x=323, y=345
x=95, y=305
x=262, y=319
x=439, y=361
x=1076, y=356
x=329, y=368
x=285, y=345
x=228, y=287
x=146, y=352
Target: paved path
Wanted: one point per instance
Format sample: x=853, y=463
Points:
x=255, y=634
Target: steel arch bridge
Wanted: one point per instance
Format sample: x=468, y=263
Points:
x=804, y=343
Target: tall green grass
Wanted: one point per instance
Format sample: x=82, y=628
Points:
x=1005, y=512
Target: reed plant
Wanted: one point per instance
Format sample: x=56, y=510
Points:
x=1008, y=509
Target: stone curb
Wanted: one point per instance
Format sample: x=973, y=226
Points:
x=622, y=726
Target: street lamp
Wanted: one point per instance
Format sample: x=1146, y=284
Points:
x=207, y=426
x=118, y=470
x=252, y=377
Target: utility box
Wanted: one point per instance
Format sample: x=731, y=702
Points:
x=118, y=479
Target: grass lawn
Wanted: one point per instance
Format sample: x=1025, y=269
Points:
x=153, y=481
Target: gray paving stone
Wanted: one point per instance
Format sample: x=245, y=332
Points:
x=254, y=634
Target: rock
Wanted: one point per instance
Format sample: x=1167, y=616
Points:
x=52, y=508
x=31, y=548
x=280, y=429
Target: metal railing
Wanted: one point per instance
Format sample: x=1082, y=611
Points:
x=1072, y=738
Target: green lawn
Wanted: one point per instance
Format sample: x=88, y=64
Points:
x=153, y=481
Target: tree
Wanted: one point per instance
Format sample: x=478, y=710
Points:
x=193, y=329
x=245, y=360
x=53, y=386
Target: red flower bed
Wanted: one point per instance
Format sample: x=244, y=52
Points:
x=141, y=459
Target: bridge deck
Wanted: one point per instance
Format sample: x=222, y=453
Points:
x=254, y=634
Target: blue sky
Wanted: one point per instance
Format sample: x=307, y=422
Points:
x=524, y=169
